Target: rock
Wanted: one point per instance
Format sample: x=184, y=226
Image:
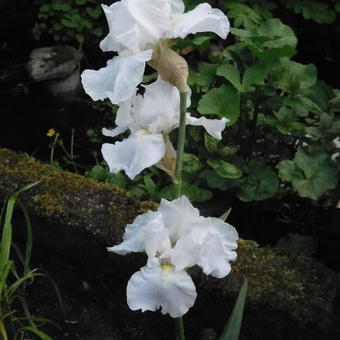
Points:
x=57, y=67
x=289, y=297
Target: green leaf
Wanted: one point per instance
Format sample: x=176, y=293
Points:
x=94, y=13
x=80, y=2
x=150, y=186
x=232, y=74
x=98, y=172
x=118, y=179
x=210, y=143
x=191, y=163
x=291, y=76
x=311, y=172
x=223, y=101
x=193, y=192
x=233, y=327
x=199, y=41
x=204, y=77
x=225, y=215
x=225, y=169
x=45, y=8
x=260, y=183
x=215, y=181
x=37, y=332
x=254, y=75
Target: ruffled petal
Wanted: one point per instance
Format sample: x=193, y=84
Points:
x=114, y=132
x=134, y=154
x=161, y=287
x=118, y=80
x=179, y=216
x=152, y=112
x=109, y=43
x=209, y=244
x=212, y=259
x=136, y=234
x=203, y=18
x=213, y=126
x=136, y=24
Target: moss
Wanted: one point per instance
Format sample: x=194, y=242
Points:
x=46, y=204
x=299, y=286
x=66, y=197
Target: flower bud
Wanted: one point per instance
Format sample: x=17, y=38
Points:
x=171, y=67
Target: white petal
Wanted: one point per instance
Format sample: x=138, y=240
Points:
x=135, y=153
x=153, y=288
x=177, y=7
x=212, y=259
x=157, y=239
x=114, y=132
x=135, y=233
x=213, y=126
x=179, y=216
x=209, y=244
x=109, y=43
x=118, y=80
x=136, y=24
x=159, y=109
x=201, y=19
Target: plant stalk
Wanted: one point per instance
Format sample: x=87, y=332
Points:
x=180, y=144
x=178, y=180
x=179, y=328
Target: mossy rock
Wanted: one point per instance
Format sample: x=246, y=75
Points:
x=67, y=198
x=288, y=297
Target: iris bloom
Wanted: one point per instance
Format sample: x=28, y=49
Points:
x=138, y=30
x=175, y=238
x=150, y=118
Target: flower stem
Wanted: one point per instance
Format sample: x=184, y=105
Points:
x=178, y=179
x=179, y=328
x=180, y=144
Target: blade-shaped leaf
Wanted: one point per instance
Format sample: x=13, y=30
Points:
x=233, y=327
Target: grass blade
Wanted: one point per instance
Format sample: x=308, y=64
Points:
x=38, y=332
x=233, y=327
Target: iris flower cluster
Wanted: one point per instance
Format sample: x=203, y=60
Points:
x=175, y=237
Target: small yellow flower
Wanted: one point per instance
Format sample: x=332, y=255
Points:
x=51, y=132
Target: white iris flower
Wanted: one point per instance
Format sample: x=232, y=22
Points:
x=150, y=118
x=137, y=29
x=175, y=238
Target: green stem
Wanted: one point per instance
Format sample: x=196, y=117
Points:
x=179, y=328
x=180, y=144
x=178, y=179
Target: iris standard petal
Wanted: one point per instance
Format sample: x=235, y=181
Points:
x=118, y=80
x=159, y=109
x=203, y=18
x=213, y=126
x=179, y=215
x=161, y=287
x=135, y=153
x=136, y=24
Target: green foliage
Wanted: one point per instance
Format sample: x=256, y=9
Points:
x=12, y=286
x=68, y=20
x=233, y=327
x=311, y=172
x=314, y=10
x=275, y=105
